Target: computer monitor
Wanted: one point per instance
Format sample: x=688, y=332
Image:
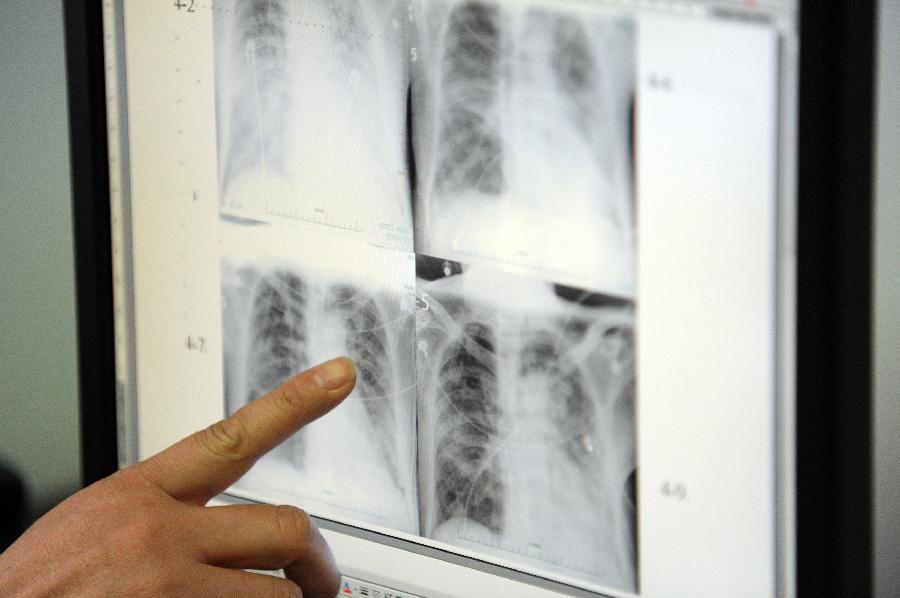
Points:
x=563, y=240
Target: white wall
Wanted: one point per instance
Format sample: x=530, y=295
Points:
x=887, y=308
x=38, y=385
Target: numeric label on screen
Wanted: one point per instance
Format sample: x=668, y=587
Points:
x=195, y=343
x=674, y=490
x=185, y=5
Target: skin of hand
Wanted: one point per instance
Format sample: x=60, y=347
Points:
x=145, y=531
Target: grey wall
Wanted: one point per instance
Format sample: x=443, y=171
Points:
x=887, y=308
x=38, y=392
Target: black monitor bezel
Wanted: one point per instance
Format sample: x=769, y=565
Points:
x=834, y=548
x=834, y=302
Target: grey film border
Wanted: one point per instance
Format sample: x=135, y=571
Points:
x=784, y=338
x=783, y=20
x=126, y=394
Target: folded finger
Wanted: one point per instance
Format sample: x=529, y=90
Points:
x=270, y=537
x=234, y=583
x=207, y=462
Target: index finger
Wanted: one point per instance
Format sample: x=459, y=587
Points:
x=206, y=463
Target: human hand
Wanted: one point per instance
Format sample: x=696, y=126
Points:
x=145, y=531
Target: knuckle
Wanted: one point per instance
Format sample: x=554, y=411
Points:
x=225, y=440
x=292, y=395
x=335, y=584
x=287, y=589
x=295, y=526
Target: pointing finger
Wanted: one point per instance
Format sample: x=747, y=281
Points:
x=207, y=462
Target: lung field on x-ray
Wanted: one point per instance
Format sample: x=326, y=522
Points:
x=277, y=343
x=470, y=155
x=467, y=482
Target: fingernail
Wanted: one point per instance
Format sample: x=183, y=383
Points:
x=335, y=373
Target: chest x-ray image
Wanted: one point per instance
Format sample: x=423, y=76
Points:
x=526, y=421
x=521, y=115
x=494, y=409
x=282, y=316
x=311, y=103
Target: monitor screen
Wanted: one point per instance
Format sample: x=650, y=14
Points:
x=554, y=235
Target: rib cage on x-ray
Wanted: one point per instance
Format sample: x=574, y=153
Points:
x=467, y=482
x=278, y=321
x=310, y=102
x=520, y=91
x=527, y=429
x=368, y=342
x=522, y=135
